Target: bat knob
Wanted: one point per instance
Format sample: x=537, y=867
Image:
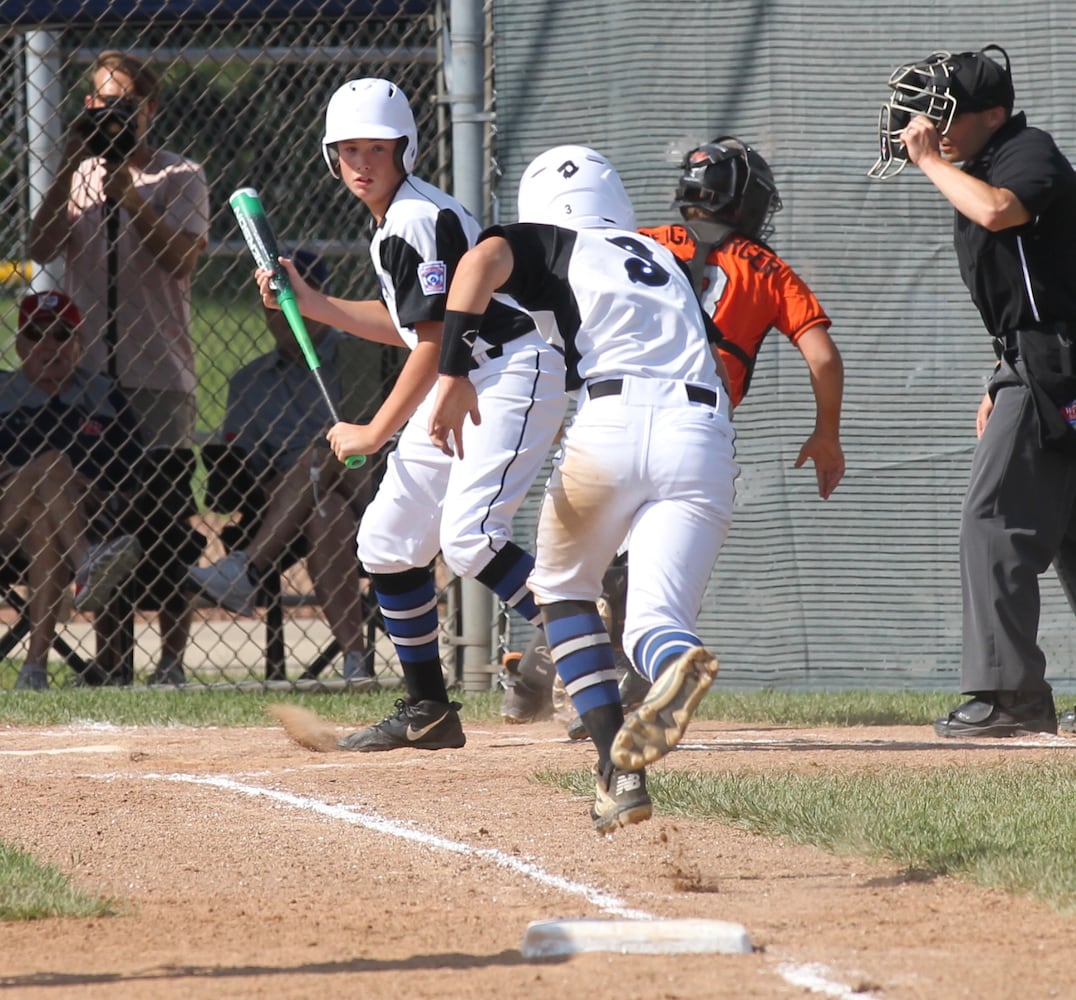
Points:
x=355, y=461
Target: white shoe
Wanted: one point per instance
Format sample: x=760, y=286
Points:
x=227, y=582
x=105, y=567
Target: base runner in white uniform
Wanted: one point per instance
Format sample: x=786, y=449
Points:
x=427, y=502
x=649, y=456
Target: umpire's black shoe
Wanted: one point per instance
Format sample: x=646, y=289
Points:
x=1000, y=713
x=1067, y=722
x=427, y=725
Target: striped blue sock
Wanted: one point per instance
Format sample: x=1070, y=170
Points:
x=408, y=604
x=582, y=654
x=661, y=646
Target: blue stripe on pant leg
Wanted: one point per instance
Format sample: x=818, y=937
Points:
x=506, y=575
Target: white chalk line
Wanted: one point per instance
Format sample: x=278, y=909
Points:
x=604, y=901
x=811, y=976
x=55, y=751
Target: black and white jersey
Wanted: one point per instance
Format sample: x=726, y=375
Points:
x=619, y=303
x=415, y=251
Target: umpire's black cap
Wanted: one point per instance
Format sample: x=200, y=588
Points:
x=979, y=82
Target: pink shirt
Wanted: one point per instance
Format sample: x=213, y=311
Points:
x=154, y=349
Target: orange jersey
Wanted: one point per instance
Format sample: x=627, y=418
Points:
x=747, y=289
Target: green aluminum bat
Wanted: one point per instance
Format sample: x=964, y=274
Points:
x=262, y=244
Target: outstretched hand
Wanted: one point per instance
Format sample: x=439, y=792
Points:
x=828, y=458
x=456, y=400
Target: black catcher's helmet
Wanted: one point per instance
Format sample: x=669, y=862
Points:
x=732, y=182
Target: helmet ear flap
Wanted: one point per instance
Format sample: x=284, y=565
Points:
x=399, y=155
x=332, y=158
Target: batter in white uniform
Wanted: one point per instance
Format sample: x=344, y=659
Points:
x=649, y=455
x=427, y=502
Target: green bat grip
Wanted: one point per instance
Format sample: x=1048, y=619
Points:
x=254, y=223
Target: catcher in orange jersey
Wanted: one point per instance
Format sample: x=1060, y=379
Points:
x=727, y=197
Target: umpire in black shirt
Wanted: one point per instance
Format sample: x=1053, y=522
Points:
x=1015, y=238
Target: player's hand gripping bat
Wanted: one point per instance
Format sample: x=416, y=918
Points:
x=262, y=244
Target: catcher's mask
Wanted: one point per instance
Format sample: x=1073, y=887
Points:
x=940, y=87
x=731, y=182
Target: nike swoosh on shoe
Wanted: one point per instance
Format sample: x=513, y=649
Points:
x=416, y=734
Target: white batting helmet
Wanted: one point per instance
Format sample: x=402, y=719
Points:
x=575, y=187
x=369, y=109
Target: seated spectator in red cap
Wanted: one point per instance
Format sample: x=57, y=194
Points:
x=67, y=449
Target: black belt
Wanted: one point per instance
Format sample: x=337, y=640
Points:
x=496, y=351
x=614, y=387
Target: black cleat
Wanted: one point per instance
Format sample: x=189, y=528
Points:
x=428, y=725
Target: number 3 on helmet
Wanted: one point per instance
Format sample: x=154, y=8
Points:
x=575, y=187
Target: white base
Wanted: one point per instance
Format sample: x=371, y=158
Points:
x=545, y=938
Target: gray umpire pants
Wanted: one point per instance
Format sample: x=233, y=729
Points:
x=1019, y=516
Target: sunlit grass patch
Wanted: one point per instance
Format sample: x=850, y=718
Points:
x=30, y=890
x=1010, y=826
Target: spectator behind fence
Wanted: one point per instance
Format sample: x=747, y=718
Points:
x=67, y=445
x=130, y=222
x=276, y=420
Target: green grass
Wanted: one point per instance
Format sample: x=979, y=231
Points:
x=826, y=708
x=216, y=707
x=30, y=890
x=1010, y=826
x=140, y=706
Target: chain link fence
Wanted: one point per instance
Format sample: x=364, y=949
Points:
x=98, y=540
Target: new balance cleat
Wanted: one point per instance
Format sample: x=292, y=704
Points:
x=227, y=582
x=427, y=725
x=659, y=722
x=620, y=799
x=105, y=567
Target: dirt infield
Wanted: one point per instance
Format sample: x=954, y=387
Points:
x=246, y=866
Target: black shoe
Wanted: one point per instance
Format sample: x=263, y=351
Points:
x=527, y=680
x=32, y=678
x=1000, y=713
x=620, y=799
x=576, y=729
x=428, y=725
x=634, y=687
x=1067, y=722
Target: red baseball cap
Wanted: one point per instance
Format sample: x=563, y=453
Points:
x=43, y=308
